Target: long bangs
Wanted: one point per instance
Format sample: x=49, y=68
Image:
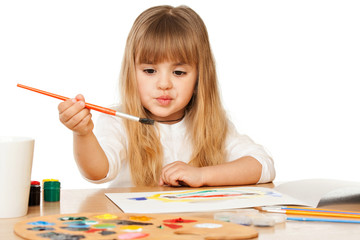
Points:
x=166, y=39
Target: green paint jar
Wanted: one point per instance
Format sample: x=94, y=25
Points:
x=51, y=191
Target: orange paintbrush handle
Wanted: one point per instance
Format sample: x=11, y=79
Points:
x=93, y=106
x=43, y=92
x=100, y=109
x=88, y=105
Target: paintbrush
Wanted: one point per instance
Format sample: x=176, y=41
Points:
x=93, y=106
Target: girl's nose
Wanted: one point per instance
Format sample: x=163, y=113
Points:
x=164, y=81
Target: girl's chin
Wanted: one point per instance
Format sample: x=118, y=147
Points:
x=164, y=117
x=161, y=115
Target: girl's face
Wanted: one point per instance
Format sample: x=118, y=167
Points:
x=165, y=88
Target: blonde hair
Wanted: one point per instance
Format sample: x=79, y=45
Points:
x=179, y=34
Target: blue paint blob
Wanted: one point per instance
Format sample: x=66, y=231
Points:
x=41, y=223
x=78, y=226
x=273, y=194
x=138, y=198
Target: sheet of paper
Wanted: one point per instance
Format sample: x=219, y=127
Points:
x=311, y=191
x=199, y=200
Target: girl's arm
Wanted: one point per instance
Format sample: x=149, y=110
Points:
x=245, y=170
x=89, y=156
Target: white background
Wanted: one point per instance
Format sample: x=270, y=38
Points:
x=288, y=72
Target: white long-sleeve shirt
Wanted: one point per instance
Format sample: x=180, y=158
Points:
x=111, y=134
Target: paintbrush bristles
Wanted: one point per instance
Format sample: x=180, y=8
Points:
x=146, y=121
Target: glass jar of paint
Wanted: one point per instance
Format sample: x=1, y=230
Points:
x=35, y=189
x=51, y=190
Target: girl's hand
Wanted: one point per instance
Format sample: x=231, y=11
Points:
x=74, y=115
x=179, y=173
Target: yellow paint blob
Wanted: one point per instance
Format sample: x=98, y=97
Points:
x=131, y=228
x=107, y=216
x=140, y=218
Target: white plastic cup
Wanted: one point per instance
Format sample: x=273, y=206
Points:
x=16, y=157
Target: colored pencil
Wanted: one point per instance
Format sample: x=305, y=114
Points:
x=321, y=220
x=319, y=210
x=92, y=106
x=312, y=213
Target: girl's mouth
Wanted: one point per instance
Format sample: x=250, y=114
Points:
x=164, y=100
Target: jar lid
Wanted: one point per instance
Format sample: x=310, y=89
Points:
x=35, y=183
x=50, y=180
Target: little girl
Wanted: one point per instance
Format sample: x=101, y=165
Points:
x=168, y=75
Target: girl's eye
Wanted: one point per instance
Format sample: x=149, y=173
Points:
x=149, y=71
x=179, y=73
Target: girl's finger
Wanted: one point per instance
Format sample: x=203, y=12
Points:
x=65, y=105
x=84, y=126
x=76, y=119
x=174, y=178
x=167, y=171
x=71, y=111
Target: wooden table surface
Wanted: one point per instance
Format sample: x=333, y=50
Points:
x=94, y=200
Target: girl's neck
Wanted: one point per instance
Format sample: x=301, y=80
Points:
x=173, y=121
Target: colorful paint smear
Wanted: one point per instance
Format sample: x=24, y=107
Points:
x=41, y=223
x=179, y=220
x=74, y=228
x=139, y=198
x=62, y=236
x=129, y=222
x=132, y=228
x=104, y=226
x=72, y=218
x=206, y=195
x=106, y=216
x=78, y=226
x=84, y=222
x=173, y=226
x=92, y=230
x=41, y=229
x=132, y=235
x=208, y=225
x=105, y=232
x=140, y=218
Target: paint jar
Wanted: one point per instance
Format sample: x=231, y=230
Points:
x=262, y=221
x=51, y=190
x=241, y=219
x=35, y=189
x=223, y=216
x=278, y=217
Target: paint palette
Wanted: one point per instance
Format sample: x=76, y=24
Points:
x=111, y=226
